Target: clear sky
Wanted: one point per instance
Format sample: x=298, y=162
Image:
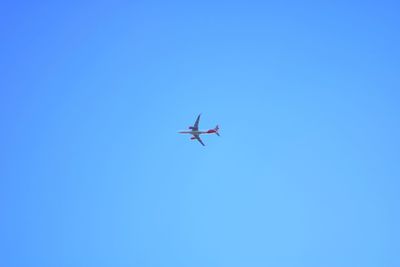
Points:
x=306, y=171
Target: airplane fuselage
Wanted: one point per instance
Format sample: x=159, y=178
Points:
x=198, y=132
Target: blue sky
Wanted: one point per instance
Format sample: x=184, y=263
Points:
x=305, y=173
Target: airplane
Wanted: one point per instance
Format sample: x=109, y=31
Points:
x=194, y=130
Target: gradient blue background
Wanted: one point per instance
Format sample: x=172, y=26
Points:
x=305, y=173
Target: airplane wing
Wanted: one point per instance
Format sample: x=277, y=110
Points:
x=196, y=124
x=199, y=139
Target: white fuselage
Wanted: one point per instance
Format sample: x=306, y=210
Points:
x=194, y=132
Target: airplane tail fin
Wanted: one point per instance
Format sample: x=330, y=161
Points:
x=216, y=130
